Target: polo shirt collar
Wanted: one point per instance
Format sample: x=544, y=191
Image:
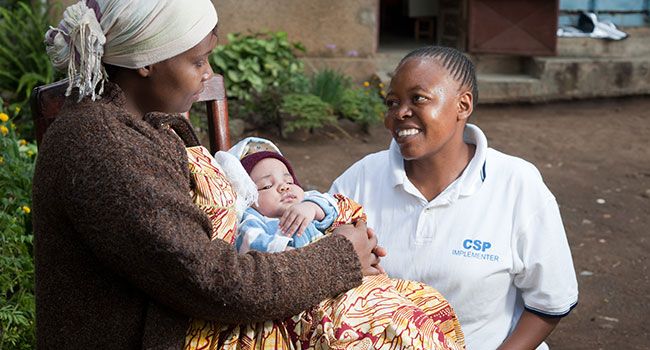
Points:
x=396, y=165
x=469, y=181
x=474, y=175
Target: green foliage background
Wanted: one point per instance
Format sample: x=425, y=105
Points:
x=24, y=64
x=254, y=62
x=17, y=160
x=267, y=81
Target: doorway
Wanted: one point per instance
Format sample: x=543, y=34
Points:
x=397, y=34
x=407, y=24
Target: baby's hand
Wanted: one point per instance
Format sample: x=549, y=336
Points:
x=297, y=217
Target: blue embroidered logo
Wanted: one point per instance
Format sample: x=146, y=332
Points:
x=476, y=249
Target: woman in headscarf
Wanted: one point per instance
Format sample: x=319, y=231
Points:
x=124, y=257
x=135, y=221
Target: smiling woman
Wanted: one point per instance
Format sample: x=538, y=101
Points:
x=426, y=114
x=478, y=225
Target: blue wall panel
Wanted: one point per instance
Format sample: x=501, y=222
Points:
x=567, y=20
x=625, y=20
x=620, y=5
x=574, y=5
x=601, y=7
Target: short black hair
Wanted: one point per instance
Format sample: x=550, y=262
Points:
x=458, y=65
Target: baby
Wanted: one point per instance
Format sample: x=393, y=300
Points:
x=380, y=313
x=285, y=216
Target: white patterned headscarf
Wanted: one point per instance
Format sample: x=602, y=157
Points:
x=124, y=33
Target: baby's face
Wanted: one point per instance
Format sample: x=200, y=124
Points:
x=275, y=188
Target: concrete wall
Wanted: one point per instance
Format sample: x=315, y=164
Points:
x=349, y=25
x=584, y=68
x=339, y=34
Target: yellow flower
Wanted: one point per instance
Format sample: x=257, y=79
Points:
x=30, y=153
x=17, y=109
x=381, y=85
x=26, y=209
x=13, y=126
x=22, y=142
x=2, y=159
x=4, y=129
x=381, y=114
x=4, y=117
x=366, y=84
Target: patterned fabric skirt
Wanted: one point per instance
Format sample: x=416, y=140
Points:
x=382, y=313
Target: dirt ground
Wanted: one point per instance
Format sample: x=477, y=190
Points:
x=595, y=157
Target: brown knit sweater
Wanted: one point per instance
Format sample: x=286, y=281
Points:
x=123, y=256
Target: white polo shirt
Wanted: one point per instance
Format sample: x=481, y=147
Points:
x=492, y=242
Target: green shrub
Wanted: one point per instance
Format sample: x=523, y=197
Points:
x=17, y=310
x=264, y=107
x=329, y=85
x=258, y=70
x=364, y=106
x=252, y=63
x=265, y=82
x=305, y=111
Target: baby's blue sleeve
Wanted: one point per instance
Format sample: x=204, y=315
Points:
x=328, y=203
x=259, y=233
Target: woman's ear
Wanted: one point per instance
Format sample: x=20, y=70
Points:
x=144, y=71
x=465, y=105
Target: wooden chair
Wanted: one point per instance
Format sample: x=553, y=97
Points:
x=46, y=102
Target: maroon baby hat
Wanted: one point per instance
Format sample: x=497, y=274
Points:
x=250, y=160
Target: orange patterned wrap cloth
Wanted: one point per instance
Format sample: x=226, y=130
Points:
x=382, y=313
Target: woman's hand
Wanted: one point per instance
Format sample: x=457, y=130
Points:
x=378, y=251
x=364, y=241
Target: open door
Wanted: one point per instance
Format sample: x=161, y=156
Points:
x=525, y=28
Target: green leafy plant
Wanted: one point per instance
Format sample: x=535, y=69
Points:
x=17, y=309
x=305, y=111
x=8, y=4
x=254, y=62
x=329, y=85
x=267, y=86
x=264, y=107
x=364, y=106
x=24, y=62
x=258, y=70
